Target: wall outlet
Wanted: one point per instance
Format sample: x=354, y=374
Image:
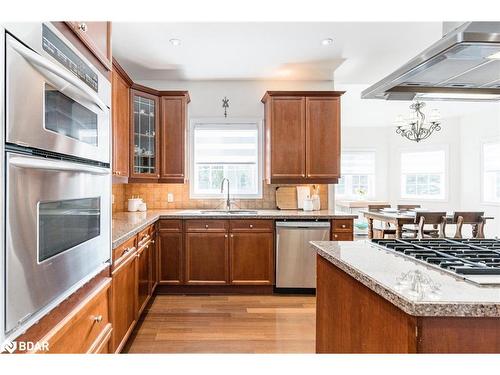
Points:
x=170, y=197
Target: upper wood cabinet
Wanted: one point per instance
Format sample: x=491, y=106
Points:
x=121, y=122
x=97, y=37
x=144, y=145
x=302, y=136
x=173, y=137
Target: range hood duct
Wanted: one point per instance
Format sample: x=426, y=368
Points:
x=463, y=65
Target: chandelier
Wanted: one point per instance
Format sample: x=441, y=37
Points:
x=415, y=128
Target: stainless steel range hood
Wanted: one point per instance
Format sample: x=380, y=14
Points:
x=463, y=65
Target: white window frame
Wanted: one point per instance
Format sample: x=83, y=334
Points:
x=446, y=179
x=225, y=122
x=481, y=178
x=372, y=194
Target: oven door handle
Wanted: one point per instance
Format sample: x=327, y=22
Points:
x=52, y=165
x=41, y=62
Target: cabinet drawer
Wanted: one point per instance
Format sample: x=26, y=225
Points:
x=252, y=225
x=170, y=225
x=206, y=225
x=85, y=327
x=342, y=236
x=123, y=251
x=341, y=225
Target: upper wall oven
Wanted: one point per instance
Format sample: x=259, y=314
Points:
x=56, y=100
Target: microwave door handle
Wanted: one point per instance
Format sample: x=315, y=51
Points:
x=43, y=63
x=63, y=166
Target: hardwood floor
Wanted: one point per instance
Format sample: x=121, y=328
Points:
x=226, y=324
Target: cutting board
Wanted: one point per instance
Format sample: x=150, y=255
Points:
x=286, y=198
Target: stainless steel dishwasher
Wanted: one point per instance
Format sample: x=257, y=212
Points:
x=295, y=258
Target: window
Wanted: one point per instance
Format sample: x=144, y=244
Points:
x=491, y=172
x=358, y=175
x=423, y=175
x=226, y=150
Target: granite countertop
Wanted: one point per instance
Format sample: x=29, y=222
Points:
x=379, y=270
x=128, y=224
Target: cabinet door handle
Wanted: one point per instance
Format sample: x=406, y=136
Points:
x=82, y=26
x=98, y=318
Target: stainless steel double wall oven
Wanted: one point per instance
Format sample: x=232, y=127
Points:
x=57, y=176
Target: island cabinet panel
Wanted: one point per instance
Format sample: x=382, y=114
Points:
x=323, y=138
x=154, y=259
x=171, y=252
x=287, y=156
x=124, y=301
x=207, y=258
x=251, y=258
x=121, y=123
x=302, y=136
x=351, y=318
x=173, y=138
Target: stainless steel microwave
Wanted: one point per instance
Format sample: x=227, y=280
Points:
x=55, y=99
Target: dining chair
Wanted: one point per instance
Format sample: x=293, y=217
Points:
x=430, y=218
x=386, y=230
x=407, y=207
x=476, y=219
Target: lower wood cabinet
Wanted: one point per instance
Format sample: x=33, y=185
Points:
x=124, y=305
x=342, y=230
x=207, y=258
x=143, y=277
x=87, y=328
x=251, y=258
x=154, y=260
x=170, y=252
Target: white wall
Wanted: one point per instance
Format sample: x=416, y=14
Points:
x=462, y=136
x=244, y=96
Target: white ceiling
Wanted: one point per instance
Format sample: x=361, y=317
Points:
x=362, y=52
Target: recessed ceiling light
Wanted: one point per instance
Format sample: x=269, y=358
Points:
x=175, y=42
x=327, y=41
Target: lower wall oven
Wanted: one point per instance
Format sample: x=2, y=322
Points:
x=58, y=231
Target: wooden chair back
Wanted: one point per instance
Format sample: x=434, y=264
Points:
x=476, y=219
x=438, y=219
x=403, y=207
x=377, y=207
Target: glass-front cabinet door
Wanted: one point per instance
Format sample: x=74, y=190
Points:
x=144, y=136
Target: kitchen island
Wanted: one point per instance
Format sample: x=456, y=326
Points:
x=372, y=300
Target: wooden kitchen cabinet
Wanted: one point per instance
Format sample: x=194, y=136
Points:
x=302, y=136
x=207, y=254
x=154, y=259
x=171, y=252
x=97, y=38
x=143, y=277
x=121, y=122
x=342, y=230
x=173, y=137
x=251, y=258
x=124, y=301
x=144, y=145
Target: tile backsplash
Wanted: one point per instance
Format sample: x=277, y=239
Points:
x=155, y=196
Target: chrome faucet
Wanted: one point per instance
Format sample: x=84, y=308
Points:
x=228, y=201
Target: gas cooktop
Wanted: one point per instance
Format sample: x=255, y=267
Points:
x=476, y=260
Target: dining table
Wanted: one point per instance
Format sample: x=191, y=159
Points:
x=398, y=218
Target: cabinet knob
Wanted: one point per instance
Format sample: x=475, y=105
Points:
x=152, y=241
x=251, y=225
x=335, y=235
x=82, y=26
x=206, y=226
x=308, y=175
x=232, y=235
x=303, y=175
x=343, y=226
x=225, y=235
x=98, y=318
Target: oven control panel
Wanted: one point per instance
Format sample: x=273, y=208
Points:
x=56, y=48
